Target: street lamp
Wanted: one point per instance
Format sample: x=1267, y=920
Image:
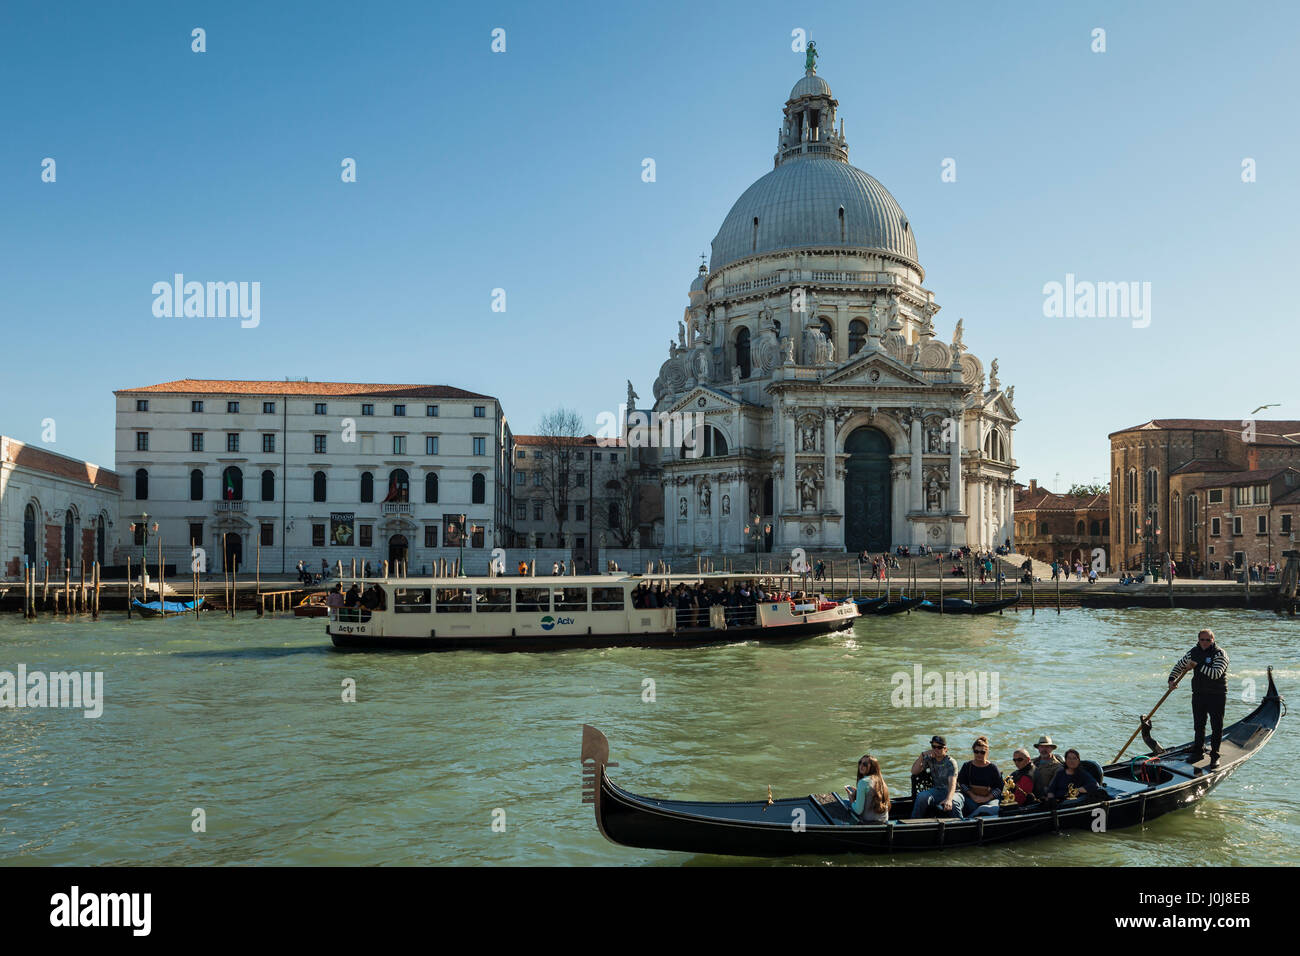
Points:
x=753, y=528
x=143, y=526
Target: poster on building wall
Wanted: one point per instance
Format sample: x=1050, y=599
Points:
x=341, y=527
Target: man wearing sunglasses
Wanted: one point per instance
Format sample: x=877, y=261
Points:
x=942, y=797
x=1208, y=663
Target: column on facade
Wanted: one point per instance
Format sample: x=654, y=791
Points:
x=788, y=423
x=979, y=514
x=955, y=497
x=715, y=517
x=918, y=500
x=830, y=492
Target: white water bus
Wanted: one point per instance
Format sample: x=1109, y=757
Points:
x=531, y=613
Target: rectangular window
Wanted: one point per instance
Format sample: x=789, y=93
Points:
x=537, y=456
x=1240, y=496
x=399, y=444
x=142, y=405
x=431, y=536
x=582, y=479
x=1236, y=524
x=521, y=478
x=562, y=512
x=480, y=411
x=268, y=534
x=521, y=511
x=476, y=536
x=579, y=542
x=595, y=456
x=268, y=443
x=431, y=444
x=1215, y=527
x=540, y=542
x=196, y=441
x=367, y=409
x=606, y=599
x=399, y=411
x=1216, y=496
x=1259, y=494
x=196, y=407
x=521, y=454
x=1286, y=524
x=139, y=533
x=537, y=479
x=1261, y=524
x=320, y=408
x=232, y=441
x=491, y=600
x=141, y=441
x=431, y=411
x=532, y=599
x=582, y=515
x=268, y=408
x=366, y=535
x=411, y=601
x=571, y=599
x=196, y=533
x=480, y=446
x=232, y=408
x=318, y=444
x=318, y=536
x=538, y=509
x=613, y=457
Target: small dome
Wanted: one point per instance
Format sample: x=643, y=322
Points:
x=811, y=85
x=701, y=277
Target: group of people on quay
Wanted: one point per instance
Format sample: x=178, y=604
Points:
x=978, y=787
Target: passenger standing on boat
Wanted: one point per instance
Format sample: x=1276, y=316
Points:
x=1208, y=663
x=353, y=597
x=1046, y=766
x=1073, y=775
x=870, y=797
x=334, y=600
x=980, y=783
x=943, y=793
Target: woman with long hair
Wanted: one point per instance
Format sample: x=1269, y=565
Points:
x=870, y=796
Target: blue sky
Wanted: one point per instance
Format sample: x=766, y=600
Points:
x=522, y=171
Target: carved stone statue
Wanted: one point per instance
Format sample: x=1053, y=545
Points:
x=808, y=491
x=681, y=508
x=1011, y=393
x=933, y=443
x=893, y=322
x=636, y=537
x=632, y=396
x=817, y=348
x=993, y=375
x=810, y=57
x=956, y=338
x=808, y=435
x=753, y=501
x=932, y=495
x=787, y=351
x=706, y=496
x=735, y=375
x=726, y=505
x=681, y=335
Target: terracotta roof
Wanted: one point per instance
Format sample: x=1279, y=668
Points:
x=554, y=440
x=1049, y=501
x=1256, y=477
x=217, y=386
x=1286, y=431
x=38, y=459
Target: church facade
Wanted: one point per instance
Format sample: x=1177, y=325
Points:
x=834, y=415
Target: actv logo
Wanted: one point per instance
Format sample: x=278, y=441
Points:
x=549, y=622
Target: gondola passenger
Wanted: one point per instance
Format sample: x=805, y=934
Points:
x=1023, y=777
x=1046, y=766
x=871, y=795
x=1073, y=775
x=942, y=798
x=980, y=783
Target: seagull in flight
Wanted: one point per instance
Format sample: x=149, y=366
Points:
x=1262, y=407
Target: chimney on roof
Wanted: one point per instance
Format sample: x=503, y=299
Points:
x=1033, y=486
x=1252, y=458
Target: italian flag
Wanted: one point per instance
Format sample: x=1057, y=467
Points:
x=230, y=487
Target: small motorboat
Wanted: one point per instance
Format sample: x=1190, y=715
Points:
x=1136, y=791
x=962, y=606
x=165, y=608
x=313, y=605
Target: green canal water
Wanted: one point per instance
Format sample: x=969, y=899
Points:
x=246, y=721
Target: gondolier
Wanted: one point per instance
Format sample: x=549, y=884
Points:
x=1208, y=663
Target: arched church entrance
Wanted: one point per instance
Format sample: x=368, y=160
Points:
x=867, y=491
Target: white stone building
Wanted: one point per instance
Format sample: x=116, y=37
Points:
x=311, y=471
x=53, y=508
x=833, y=411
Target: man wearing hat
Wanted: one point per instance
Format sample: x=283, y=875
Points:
x=1208, y=663
x=1046, y=765
x=942, y=795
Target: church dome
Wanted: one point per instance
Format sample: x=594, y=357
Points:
x=797, y=206
x=810, y=84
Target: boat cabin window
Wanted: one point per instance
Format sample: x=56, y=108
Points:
x=489, y=600
x=452, y=600
x=408, y=600
x=607, y=599
x=571, y=599
x=533, y=599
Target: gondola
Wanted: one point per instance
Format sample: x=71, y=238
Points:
x=868, y=605
x=962, y=606
x=164, y=608
x=1137, y=791
x=896, y=607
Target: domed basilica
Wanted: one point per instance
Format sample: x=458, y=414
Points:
x=833, y=412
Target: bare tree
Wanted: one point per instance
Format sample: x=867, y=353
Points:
x=561, y=433
x=619, y=489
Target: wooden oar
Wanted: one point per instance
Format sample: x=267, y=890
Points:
x=1149, y=716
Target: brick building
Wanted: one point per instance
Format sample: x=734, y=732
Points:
x=1052, y=527
x=53, y=509
x=1163, y=473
